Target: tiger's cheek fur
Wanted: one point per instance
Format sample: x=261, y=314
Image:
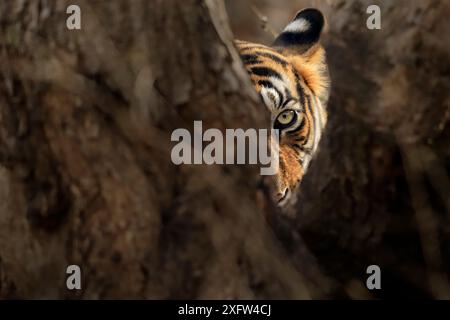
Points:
x=290, y=170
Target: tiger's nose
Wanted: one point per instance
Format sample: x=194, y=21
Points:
x=283, y=196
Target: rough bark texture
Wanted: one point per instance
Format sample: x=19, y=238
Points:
x=86, y=176
x=378, y=192
x=85, y=170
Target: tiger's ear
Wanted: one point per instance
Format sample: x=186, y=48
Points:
x=302, y=32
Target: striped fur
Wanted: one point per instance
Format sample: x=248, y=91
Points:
x=292, y=79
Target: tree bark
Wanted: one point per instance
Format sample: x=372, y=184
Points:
x=85, y=171
x=378, y=191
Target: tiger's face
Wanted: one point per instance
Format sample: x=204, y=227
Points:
x=291, y=78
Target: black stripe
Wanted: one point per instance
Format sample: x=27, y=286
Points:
x=265, y=72
x=273, y=57
x=299, y=128
x=297, y=147
x=302, y=149
x=285, y=103
x=301, y=139
x=300, y=92
x=249, y=59
x=268, y=84
x=308, y=105
x=288, y=94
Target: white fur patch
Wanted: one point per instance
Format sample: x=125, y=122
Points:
x=267, y=92
x=271, y=97
x=299, y=25
x=279, y=84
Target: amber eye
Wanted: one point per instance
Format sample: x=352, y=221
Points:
x=285, y=119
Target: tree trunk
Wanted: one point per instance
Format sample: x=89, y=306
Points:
x=85, y=171
x=378, y=192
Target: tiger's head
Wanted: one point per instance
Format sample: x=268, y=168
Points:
x=291, y=76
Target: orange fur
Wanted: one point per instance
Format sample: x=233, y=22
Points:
x=311, y=65
x=302, y=69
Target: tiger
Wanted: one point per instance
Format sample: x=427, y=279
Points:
x=292, y=79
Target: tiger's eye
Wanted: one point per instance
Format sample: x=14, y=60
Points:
x=286, y=117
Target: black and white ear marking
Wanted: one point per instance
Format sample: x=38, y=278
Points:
x=303, y=31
